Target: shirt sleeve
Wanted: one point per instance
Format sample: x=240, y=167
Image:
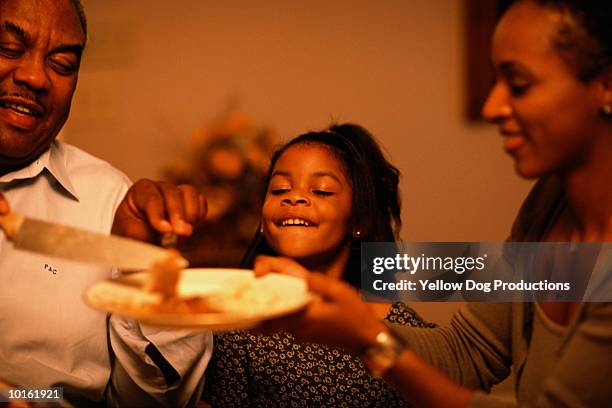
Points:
x=474, y=351
x=156, y=367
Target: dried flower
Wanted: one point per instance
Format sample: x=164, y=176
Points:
x=227, y=160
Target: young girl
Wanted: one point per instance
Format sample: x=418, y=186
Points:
x=326, y=192
x=552, y=101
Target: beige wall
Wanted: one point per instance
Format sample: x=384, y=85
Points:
x=154, y=72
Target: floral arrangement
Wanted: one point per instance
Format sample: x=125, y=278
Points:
x=227, y=160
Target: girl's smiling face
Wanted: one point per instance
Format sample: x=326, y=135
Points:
x=307, y=209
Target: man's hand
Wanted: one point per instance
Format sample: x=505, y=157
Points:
x=337, y=316
x=4, y=205
x=152, y=208
x=13, y=404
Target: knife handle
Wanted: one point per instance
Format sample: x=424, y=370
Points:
x=11, y=223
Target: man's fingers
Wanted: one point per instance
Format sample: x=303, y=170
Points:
x=194, y=204
x=175, y=208
x=151, y=208
x=203, y=208
x=146, y=202
x=4, y=205
x=166, y=207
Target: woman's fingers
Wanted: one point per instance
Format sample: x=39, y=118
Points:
x=326, y=287
x=266, y=264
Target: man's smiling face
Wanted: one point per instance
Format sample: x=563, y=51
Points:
x=41, y=42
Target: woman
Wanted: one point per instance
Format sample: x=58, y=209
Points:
x=552, y=101
x=326, y=192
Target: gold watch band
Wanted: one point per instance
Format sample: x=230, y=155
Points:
x=383, y=354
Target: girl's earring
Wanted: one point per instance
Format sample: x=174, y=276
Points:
x=261, y=228
x=357, y=234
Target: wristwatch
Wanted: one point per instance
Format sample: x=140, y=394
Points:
x=383, y=354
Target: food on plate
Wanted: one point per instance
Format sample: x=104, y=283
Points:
x=245, y=298
x=164, y=275
x=214, y=298
x=166, y=290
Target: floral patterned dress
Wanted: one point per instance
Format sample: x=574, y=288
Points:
x=248, y=370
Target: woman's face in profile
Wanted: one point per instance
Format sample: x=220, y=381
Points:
x=307, y=210
x=547, y=116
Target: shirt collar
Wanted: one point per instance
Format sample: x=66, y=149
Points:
x=54, y=160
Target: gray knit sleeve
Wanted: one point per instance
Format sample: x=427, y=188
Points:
x=474, y=351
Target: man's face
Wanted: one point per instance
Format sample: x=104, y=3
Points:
x=41, y=42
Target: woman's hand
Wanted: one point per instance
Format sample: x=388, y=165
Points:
x=152, y=208
x=336, y=316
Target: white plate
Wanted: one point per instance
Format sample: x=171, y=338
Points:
x=239, y=300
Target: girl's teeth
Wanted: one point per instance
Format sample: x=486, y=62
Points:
x=295, y=221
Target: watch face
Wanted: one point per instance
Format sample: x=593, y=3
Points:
x=383, y=355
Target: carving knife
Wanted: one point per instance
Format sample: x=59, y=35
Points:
x=80, y=245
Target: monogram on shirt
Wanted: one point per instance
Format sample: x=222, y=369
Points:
x=51, y=269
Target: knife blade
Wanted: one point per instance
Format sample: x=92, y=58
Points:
x=76, y=244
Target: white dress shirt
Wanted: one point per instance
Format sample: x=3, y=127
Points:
x=48, y=335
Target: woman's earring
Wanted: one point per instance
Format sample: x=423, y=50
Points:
x=261, y=228
x=607, y=109
x=357, y=234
